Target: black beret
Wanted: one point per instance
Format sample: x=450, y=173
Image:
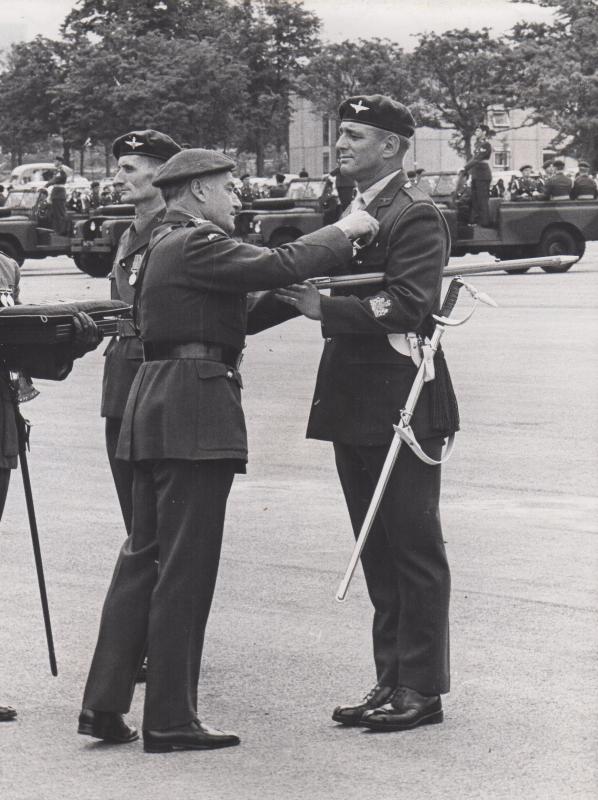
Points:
x=145, y=143
x=191, y=164
x=559, y=163
x=379, y=112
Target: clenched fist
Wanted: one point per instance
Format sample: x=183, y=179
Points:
x=359, y=225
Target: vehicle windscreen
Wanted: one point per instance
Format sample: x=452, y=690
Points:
x=305, y=190
x=24, y=200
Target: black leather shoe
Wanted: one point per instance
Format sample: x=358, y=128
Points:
x=351, y=715
x=7, y=713
x=193, y=736
x=406, y=709
x=107, y=725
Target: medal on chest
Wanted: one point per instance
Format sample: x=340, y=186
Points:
x=135, y=267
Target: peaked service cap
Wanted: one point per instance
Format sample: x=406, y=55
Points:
x=378, y=111
x=145, y=143
x=191, y=164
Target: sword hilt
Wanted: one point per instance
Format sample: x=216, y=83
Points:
x=451, y=297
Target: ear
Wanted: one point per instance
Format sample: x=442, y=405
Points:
x=197, y=189
x=391, y=146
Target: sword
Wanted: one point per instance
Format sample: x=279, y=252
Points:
x=23, y=428
x=403, y=432
x=475, y=268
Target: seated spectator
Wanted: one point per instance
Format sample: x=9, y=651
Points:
x=526, y=187
x=247, y=194
x=584, y=186
x=559, y=186
x=42, y=211
x=304, y=173
x=280, y=189
x=499, y=189
x=2, y=196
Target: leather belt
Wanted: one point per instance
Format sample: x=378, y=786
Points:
x=125, y=328
x=166, y=351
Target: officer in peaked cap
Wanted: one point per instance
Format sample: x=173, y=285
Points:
x=365, y=375
x=139, y=155
x=184, y=436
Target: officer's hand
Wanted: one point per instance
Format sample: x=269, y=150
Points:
x=359, y=225
x=87, y=334
x=304, y=297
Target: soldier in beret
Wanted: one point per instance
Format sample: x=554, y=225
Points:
x=363, y=382
x=558, y=186
x=60, y=221
x=584, y=186
x=481, y=177
x=184, y=434
x=139, y=155
x=526, y=187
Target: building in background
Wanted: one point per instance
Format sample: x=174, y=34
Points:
x=312, y=138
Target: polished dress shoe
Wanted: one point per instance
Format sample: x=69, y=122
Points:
x=7, y=713
x=107, y=725
x=351, y=715
x=406, y=709
x=193, y=736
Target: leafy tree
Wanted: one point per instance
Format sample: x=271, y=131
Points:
x=557, y=74
x=458, y=75
x=274, y=39
x=171, y=18
x=337, y=71
x=26, y=110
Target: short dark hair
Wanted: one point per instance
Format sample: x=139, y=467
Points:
x=94, y=184
x=559, y=163
x=279, y=177
x=525, y=166
x=484, y=128
x=59, y=158
x=412, y=173
x=245, y=176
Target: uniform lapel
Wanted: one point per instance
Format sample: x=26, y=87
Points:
x=138, y=239
x=387, y=195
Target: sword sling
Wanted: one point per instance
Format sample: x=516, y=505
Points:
x=448, y=305
x=23, y=428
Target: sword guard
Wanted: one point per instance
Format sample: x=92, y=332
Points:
x=405, y=434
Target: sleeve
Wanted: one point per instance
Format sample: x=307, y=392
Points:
x=416, y=258
x=264, y=311
x=574, y=190
x=215, y=262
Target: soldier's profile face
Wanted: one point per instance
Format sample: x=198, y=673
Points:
x=359, y=149
x=134, y=178
x=220, y=202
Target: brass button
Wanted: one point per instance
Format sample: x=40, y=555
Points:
x=229, y=373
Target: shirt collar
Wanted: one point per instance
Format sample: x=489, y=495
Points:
x=372, y=191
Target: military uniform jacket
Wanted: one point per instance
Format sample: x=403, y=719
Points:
x=9, y=445
x=584, y=185
x=362, y=381
x=124, y=354
x=478, y=167
x=194, y=289
x=558, y=186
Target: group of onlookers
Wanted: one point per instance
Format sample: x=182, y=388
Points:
x=554, y=184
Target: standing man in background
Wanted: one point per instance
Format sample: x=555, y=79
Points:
x=60, y=221
x=558, y=186
x=584, y=186
x=481, y=177
x=139, y=154
x=363, y=382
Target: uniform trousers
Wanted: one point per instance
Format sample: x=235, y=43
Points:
x=4, y=481
x=480, y=202
x=122, y=471
x=161, y=591
x=404, y=563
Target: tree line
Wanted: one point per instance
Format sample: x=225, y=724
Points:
x=223, y=73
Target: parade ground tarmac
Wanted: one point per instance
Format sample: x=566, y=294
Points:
x=519, y=512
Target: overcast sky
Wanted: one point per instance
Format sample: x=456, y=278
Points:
x=398, y=20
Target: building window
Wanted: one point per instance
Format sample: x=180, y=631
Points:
x=548, y=155
x=326, y=131
x=502, y=159
x=325, y=163
x=499, y=118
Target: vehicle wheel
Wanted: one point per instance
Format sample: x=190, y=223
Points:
x=560, y=242
x=98, y=265
x=12, y=251
x=279, y=238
